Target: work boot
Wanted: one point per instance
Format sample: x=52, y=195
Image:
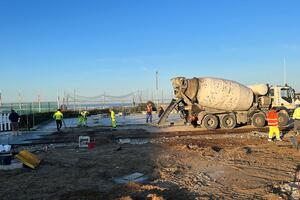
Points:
x=279, y=139
x=270, y=140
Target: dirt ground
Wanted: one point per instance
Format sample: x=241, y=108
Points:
x=193, y=165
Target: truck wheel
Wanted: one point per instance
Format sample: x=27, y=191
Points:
x=228, y=122
x=210, y=122
x=283, y=119
x=258, y=120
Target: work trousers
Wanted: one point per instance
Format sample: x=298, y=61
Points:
x=114, y=123
x=272, y=130
x=58, y=124
x=149, y=117
x=14, y=126
x=82, y=121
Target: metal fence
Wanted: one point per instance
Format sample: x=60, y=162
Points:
x=28, y=108
x=42, y=107
x=4, y=122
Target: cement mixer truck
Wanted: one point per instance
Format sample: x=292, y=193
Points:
x=215, y=102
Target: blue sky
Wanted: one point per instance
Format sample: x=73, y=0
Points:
x=115, y=46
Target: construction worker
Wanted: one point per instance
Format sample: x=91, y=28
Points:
x=14, y=119
x=194, y=120
x=58, y=116
x=272, y=118
x=82, y=118
x=160, y=111
x=149, y=110
x=296, y=118
x=113, y=118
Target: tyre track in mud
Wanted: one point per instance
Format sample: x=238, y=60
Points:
x=146, y=134
x=136, y=133
x=261, y=168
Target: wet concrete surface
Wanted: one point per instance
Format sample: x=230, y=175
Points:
x=26, y=137
x=97, y=120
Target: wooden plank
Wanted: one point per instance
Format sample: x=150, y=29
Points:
x=28, y=159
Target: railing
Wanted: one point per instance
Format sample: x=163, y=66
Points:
x=4, y=122
x=28, y=108
x=25, y=108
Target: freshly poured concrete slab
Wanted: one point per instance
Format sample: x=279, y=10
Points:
x=134, y=119
x=24, y=138
x=130, y=121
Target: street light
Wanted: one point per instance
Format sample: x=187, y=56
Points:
x=157, y=87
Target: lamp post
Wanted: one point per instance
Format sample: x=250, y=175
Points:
x=156, y=84
x=0, y=104
x=39, y=102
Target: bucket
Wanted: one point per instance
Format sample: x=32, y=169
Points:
x=91, y=145
x=5, y=159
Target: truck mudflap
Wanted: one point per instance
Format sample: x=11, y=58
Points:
x=169, y=109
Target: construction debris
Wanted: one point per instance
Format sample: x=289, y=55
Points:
x=28, y=159
x=135, y=177
x=83, y=141
x=15, y=164
x=5, y=158
x=133, y=141
x=5, y=148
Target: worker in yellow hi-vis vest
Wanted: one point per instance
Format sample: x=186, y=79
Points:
x=296, y=118
x=113, y=118
x=82, y=118
x=58, y=116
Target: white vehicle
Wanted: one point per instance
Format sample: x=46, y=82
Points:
x=215, y=102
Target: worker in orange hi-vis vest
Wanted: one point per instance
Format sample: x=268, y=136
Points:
x=272, y=118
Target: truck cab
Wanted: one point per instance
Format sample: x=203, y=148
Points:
x=282, y=96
